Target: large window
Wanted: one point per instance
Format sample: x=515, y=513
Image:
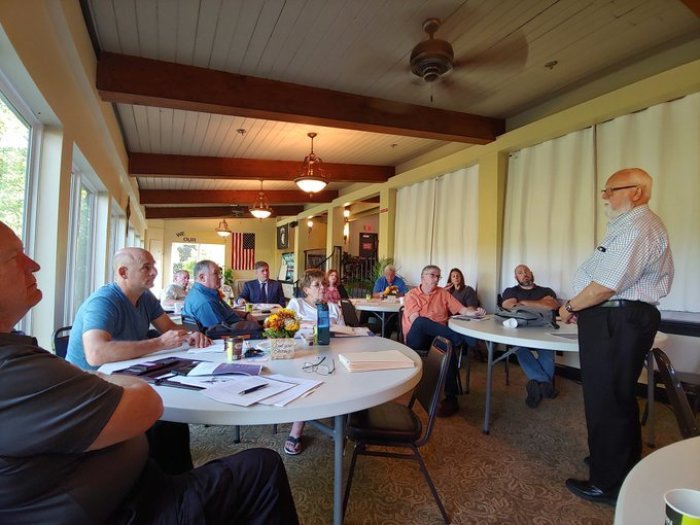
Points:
x=185, y=255
x=15, y=147
x=81, y=253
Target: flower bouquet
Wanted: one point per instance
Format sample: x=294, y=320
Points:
x=391, y=291
x=280, y=328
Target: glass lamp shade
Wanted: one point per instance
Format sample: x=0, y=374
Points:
x=260, y=213
x=310, y=184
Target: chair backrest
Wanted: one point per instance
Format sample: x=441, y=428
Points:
x=499, y=300
x=349, y=313
x=429, y=390
x=343, y=292
x=60, y=341
x=190, y=323
x=687, y=423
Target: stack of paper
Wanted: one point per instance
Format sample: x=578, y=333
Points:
x=350, y=331
x=206, y=368
x=381, y=360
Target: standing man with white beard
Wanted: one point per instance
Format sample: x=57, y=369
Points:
x=617, y=290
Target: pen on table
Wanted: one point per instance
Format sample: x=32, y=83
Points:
x=252, y=389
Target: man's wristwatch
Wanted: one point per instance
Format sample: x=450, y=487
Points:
x=569, y=308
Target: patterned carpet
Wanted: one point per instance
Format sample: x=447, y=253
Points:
x=515, y=475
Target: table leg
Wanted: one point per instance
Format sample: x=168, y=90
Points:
x=651, y=431
x=339, y=438
x=489, y=384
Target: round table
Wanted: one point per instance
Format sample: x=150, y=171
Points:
x=563, y=339
x=341, y=393
x=384, y=309
x=641, y=498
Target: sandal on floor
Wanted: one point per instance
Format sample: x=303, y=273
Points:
x=292, y=446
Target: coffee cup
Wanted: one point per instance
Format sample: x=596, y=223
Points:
x=682, y=507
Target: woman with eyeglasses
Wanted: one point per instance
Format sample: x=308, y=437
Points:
x=459, y=290
x=313, y=286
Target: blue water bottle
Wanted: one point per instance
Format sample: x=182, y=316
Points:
x=323, y=324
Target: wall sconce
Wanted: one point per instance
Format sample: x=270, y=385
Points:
x=346, y=226
x=310, y=224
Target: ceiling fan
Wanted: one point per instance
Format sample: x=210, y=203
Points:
x=432, y=58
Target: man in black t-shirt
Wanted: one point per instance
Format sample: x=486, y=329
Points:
x=539, y=369
x=73, y=449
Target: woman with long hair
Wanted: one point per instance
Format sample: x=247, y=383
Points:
x=459, y=290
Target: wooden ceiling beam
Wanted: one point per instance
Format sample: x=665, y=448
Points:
x=134, y=80
x=155, y=165
x=693, y=5
x=233, y=197
x=200, y=212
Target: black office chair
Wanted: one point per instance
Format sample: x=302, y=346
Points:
x=687, y=423
x=60, y=341
x=393, y=425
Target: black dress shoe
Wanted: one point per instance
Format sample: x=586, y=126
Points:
x=588, y=491
x=534, y=395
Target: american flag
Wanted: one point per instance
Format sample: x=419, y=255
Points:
x=243, y=251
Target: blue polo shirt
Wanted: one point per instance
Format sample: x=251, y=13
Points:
x=110, y=310
x=205, y=305
x=382, y=283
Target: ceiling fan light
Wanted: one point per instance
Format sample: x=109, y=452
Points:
x=222, y=230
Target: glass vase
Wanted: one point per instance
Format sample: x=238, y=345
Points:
x=282, y=348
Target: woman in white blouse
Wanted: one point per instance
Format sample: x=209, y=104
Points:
x=312, y=284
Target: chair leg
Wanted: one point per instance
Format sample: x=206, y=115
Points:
x=351, y=470
x=507, y=371
x=468, y=370
x=424, y=470
x=237, y=434
x=274, y=428
x=460, y=350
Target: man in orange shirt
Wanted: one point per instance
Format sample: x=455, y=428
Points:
x=426, y=311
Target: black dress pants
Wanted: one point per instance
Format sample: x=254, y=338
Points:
x=169, y=446
x=250, y=487
x=613, y=343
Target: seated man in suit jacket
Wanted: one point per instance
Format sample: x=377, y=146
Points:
x=262, y=289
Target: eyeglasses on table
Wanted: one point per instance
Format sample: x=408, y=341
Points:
x=319, y=366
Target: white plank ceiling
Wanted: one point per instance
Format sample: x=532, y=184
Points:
x=363, y=47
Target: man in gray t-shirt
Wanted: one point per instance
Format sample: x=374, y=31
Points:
x=73, y=449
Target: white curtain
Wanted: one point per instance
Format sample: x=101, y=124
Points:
x=437, y=223
x=457, y=224
x=415, y=207
x=664, y=140
x=549, y=221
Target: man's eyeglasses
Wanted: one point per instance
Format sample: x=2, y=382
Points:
x=436, y=275
x=318, y=366
x=609, y=191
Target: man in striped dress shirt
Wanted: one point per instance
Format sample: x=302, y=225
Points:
x=617, y=290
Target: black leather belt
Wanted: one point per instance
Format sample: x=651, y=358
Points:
x=620, y=303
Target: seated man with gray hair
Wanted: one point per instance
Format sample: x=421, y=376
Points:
x=204, y=303
x=389, y=279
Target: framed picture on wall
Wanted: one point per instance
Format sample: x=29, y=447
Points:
x=283, y=237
